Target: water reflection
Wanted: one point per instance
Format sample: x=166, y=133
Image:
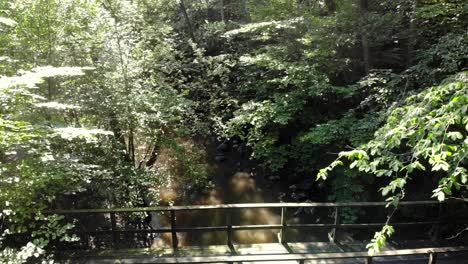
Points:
x=240, y=188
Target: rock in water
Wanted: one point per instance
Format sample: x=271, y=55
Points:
x=223, y=147
x=241, y=149
x=274, y=178
x=299, y=211
x=220, y=158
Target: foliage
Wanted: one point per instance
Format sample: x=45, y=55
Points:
x=430, y=128
x=297, y=87
x=95, y=138
x=295, y=81
x=380, y=238
x=427, y=134
x=32, y=171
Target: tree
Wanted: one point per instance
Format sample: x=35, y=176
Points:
x=96, y=137
x=33, y=170
x=427, y=134
x=296, y=81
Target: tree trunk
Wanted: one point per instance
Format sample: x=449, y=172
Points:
x=114, y=125
x=331, y=6
x=187, y=20
x=245, y=14
x=363, y=8
x=223, y=7
x=153, y=158
x=131, y=147
x=412, y=35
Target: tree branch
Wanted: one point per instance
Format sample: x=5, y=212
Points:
x=458, y=234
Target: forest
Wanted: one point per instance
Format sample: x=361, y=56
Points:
x=134, y=103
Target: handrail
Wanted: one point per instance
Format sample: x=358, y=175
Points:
x=229, y=228
x=236, y=206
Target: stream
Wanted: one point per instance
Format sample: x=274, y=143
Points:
x=237, y=185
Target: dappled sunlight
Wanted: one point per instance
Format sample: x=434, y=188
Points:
x=232, y=187
x=162, y=242
x=210, y=238
x=165, y=241
x=259, y=216
x=244, y=189
x=241, y=188
x=241, y=182
x=179, y=169
x=252, y=237
x=214, y=197
x=167, y=195
x=135, y=124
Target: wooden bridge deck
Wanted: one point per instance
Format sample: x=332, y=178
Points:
x=354, y=252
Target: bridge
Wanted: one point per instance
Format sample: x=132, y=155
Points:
x=282, y=251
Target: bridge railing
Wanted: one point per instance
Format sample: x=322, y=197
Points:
x=229, y=228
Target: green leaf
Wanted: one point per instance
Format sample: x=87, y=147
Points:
x=8, y=21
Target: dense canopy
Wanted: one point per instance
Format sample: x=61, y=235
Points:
x=107, y=103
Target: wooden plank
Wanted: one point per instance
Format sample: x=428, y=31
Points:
x=262, y=248
x=282, y=257
x=218, y=250
x=239, y=206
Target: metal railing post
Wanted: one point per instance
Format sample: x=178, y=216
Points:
x=229, y=227
x=115, y=236
x=87, y=240
x=175, y=241
x=337, y=224
x=436, y=234
x=284, y=225
x=432, y=258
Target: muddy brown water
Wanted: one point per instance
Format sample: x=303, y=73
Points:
x=238, y=187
